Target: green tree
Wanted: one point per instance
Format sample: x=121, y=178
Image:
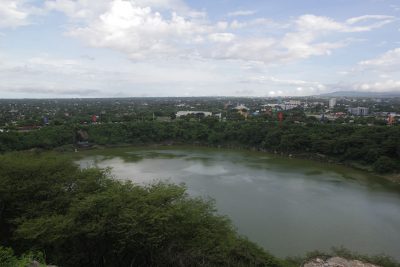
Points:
x=384, y=165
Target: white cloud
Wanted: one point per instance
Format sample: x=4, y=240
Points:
x=287, y=86
x=289, y=82
x=302, y=43
x=221, y=37
x=386, y=61
x=381, y=73
x=248, y=49
x=312, y=23
x=91, y=9
x=67, y=76
x=380, y=20
x=242, y=13
x=258, y=22
x=148, y=29
x=13, y=14
x=141, y=32
x=77, y=9
x=163, y=37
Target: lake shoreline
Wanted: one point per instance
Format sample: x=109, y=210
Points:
x=392, y=177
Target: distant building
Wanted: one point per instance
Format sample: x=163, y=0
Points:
x=290, y=105
x=332, y=102
x=294, y=102
x=188, y=112
x=243, y=110
x=281, y=107
x=359, y=111
x=241, y=107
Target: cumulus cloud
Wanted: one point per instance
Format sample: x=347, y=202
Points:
x=148, y=29
x=141, y=32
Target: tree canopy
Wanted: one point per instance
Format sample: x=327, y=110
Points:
x=345, y=143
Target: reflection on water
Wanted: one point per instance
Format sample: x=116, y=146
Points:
x=287, y=206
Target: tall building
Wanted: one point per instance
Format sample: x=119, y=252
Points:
x=332, y=102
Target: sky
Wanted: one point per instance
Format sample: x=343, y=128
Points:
x=149, y=48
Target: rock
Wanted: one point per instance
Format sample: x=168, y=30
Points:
x=337, y=262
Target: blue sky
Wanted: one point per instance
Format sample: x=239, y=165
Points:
x=123, y=48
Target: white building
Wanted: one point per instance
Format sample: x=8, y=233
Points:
x=332, y=102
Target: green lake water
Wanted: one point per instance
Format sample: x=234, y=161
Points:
x=287, y=206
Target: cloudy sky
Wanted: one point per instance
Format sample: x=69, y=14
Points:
x=122, y=48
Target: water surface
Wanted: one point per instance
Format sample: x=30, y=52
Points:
x=288, y=206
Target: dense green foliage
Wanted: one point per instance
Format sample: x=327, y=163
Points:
x=375, y=146
x=84, y=218
x=8, y=259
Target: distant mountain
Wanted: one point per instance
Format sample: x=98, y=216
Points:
x=361, y=94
